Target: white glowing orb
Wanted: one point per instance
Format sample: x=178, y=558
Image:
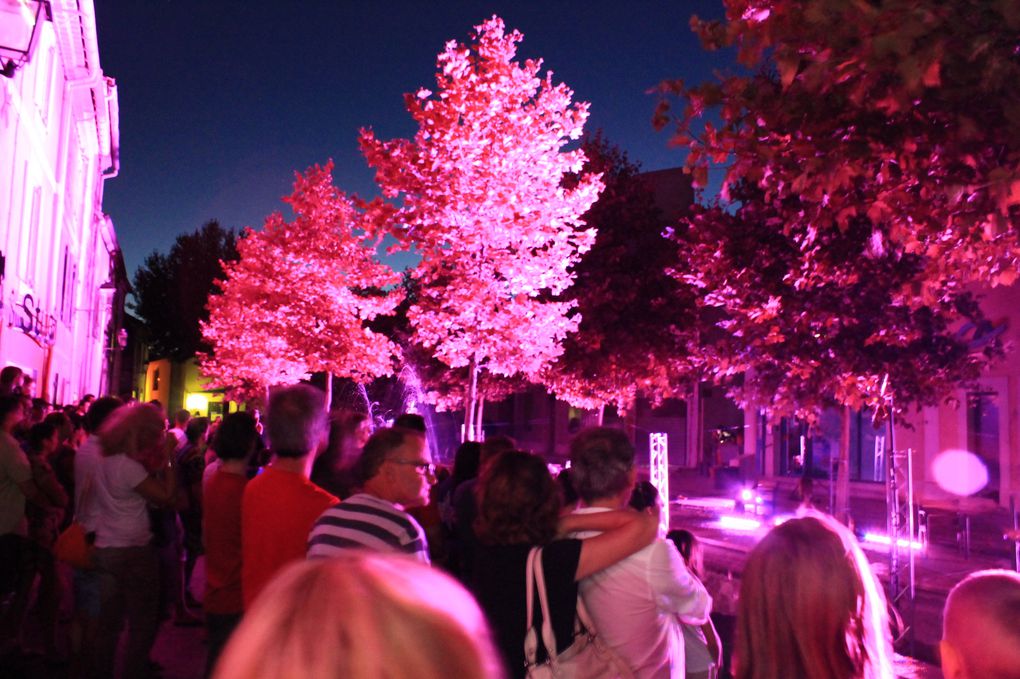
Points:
x=959, y=472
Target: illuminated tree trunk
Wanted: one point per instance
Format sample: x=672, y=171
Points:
x=601, y=414
x=329, y=390
x=469, y=402
x=842, y=509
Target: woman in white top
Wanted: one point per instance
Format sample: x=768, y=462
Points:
x=136, y=469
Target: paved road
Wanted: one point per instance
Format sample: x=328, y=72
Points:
x=937, y=569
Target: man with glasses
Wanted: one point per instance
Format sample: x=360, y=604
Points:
x=396, y=471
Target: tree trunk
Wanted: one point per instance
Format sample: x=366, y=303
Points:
x=601, y=414
x=630, y=422
x=329, y=390
x=479, y=419
x=469, y=404
x=842, y=509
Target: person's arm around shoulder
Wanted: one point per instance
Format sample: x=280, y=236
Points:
x=31, y=493
x=675, y=587
x=50, y=488
x=161, y=490
x=623, y=533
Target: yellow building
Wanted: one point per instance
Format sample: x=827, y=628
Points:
x=181, y=385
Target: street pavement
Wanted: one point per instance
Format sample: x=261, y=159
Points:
x=698, y=506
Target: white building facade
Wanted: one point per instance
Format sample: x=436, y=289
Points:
x=62, y=277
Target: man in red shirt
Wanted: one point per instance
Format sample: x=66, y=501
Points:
x=281, y=504
x=222, y=491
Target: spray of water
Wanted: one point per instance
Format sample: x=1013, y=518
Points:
x=413, y=401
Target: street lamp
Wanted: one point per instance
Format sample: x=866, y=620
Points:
x=19, y=23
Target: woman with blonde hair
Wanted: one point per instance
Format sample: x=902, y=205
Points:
x=136, y=469
x=811, y=607
x=363, y=615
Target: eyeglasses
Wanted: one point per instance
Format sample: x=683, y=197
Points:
x=420, y=467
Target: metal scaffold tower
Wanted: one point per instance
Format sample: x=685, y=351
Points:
x=900, y=506
x=658, y=463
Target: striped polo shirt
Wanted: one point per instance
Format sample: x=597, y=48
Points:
x=364, y=521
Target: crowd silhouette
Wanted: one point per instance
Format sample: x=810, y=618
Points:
x=332, y=550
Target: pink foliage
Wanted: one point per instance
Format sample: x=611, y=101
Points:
x=300, y=296
x=484, y=205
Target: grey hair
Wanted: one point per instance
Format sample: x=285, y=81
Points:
x=601, y=460
x=296, y=420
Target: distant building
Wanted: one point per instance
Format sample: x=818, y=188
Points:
x=62, y=275
x=180, y=384
x=982, y=419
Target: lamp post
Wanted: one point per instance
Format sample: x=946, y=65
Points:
x=19, y=27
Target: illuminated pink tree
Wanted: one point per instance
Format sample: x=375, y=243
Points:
x=299, y=299
x=874, y=154
x=484, y=205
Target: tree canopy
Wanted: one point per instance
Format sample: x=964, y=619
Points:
x=902, y=112
x=872, y=172
x=171, y=290
x=484, y=205
x=301, y=296
x=636, y=321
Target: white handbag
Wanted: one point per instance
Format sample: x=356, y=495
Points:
x=586, y=658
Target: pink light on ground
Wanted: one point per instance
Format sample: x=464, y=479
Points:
x=959, y=472
x=739, y=523
x=881, y=539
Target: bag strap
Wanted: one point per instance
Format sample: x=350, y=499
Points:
x=530, y=636
x=584, y=618
x=548, y=636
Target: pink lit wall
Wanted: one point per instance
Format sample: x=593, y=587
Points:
x=58, y=144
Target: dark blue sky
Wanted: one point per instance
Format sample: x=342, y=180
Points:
x=221, y=102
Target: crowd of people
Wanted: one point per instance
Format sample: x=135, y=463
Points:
x=332, y=550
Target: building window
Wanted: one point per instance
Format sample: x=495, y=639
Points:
x=47, y=73
x=812, y=451
x=867, y=448
x=983, y=435
x=33, y=235
x=64, y=284
x=155, y=380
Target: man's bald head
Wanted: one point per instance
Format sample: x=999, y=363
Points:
x=981, y=627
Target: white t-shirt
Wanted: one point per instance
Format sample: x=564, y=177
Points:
x=637, y=606
x=121, y=517
x=696, y=656
x=86, y=463
x=182, y=438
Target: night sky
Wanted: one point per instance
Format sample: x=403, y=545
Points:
x=221, y=102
